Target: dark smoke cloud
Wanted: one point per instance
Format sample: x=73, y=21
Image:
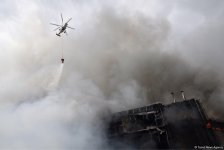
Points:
x=135, y=49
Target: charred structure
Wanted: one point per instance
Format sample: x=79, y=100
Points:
x=174, y=126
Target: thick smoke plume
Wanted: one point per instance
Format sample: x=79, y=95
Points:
x=116, y=59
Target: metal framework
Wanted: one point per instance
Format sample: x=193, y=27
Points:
x=177, y=125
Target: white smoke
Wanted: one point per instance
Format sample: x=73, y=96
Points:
x=121, y=55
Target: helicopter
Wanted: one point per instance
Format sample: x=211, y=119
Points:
x=62, y=28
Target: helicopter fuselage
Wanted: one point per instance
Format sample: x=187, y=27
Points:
x=63, y=29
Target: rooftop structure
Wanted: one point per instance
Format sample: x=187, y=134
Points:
x=177, y=125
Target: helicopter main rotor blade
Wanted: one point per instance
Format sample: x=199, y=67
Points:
x=55, y=24
x=61, y=19
x=56, y=28
x=71, y=28
x=69, y=20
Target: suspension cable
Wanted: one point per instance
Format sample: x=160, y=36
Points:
x=62, y=55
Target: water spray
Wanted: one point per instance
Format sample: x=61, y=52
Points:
x=56, y=78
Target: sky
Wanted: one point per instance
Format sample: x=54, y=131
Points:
x=121, y=55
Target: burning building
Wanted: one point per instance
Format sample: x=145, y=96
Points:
x=179, y=125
